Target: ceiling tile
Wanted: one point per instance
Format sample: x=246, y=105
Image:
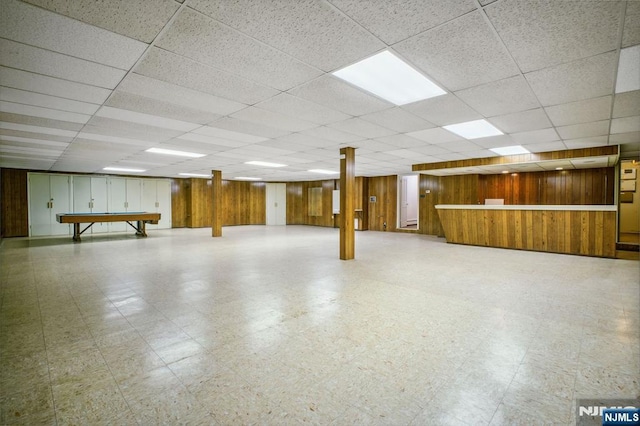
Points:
x=223, y=133
x=495, y=141
x=624, y=138
x=397, y=20
x=242, y=126
x=544, y=33
x=435, y=135
x=626, y=124
x=398, y=119
x=202, y=39
x=523, y=121
x=535, y=136
x=545, y=146
x=138, y=19
x=361, y=127
x=308, y=30
x=146, y=119
x=462, y=53
x=582, y=79
x=500, y=97
x=580, y=111
x=400, y=141
x=162, y=91
x=88, y=136
x=169, y=67
x=626, y=104
x=459, y=146
x=434, y=150
x=586, y=142
x=112, y=127
x=584, y=130
x=335, y=94
x=132, y=102
x=294, y=106
x=37, y=83
x=46, y=101
x=39, y=121
x=29, y=58
x=38, y=27
x=53, y=114
x=333, y=135
x=631, y=32
x=214, y=140
x=443, y=110
x=38, y=129
x=54, y=140
x=273, y=119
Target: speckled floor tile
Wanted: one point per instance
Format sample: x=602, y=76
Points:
x=267, y=326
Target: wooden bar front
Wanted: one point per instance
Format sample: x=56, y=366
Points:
x=581, y=230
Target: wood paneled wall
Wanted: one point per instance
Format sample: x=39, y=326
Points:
x=14, y=203
x=385, y=209
x=567, y=187
x=244, y=203
x=461, y=189
x=362, y=201
x=298, y=203
x=590, y=233
x=584, y=186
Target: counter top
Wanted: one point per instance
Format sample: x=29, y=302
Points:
x=593, y=208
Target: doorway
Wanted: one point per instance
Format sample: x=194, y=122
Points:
x=276, y=204
x=408, y=202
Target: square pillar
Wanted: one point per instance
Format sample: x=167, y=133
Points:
x=347, y=202
x=216, y=203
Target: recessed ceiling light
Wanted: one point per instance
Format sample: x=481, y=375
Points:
x=123, y=169
x=387, y=76
x=558, y=168
x=195, y=175
x=174, y=152
x=247, y=178
x=510, y=150
x=504, y=172
x=324, y=172
x=264, y=164
x=628, y=70
x=474, y=129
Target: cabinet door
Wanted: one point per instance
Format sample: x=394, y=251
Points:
x=164, y=203
x=60, y=202
x=134, y=195
x=39, y=202
x=149, y=196
x=99, y=202
x=117, y=202
x=81, y=194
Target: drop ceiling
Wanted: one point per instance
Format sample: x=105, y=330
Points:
x=86, y=85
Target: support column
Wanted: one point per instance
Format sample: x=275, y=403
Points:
x=216, y=203
x=347, y=202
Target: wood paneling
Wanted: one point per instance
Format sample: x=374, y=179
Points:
x=385, y=209
x=522, y=158
x=14, y=204
x=179, y=189
x=590, y=233
x=243, y=203
x=347, y=203
x=199, y=203
x=462, y=189
x=362, y=201
x=216, y=203
x=298, y=203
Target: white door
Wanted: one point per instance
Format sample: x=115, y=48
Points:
x=134, y=195
x=60, y=202
x=39, y=202
x=81, y=194
x=118, y=202
x=164, y=203
x=149, y=198
x=403, y=202
x=276, y=203
x=99, y=202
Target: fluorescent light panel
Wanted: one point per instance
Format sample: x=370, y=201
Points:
x=387, y=76
x=123, y=169
x=174, y=152
x=474, y=129
x=628, y=70
x=510, y=150
x=324, y=172
x=247, y=178
x=264, y=164
x=195, y=175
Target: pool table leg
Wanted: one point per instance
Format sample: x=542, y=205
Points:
x=76, y=232
x=142, y=232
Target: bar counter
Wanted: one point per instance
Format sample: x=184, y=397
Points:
x=570, y=229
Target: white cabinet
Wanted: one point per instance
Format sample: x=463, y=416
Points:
x=48, y=196
x=156, y=198
x=90, y=196
x=124, y=196
x=276, y=203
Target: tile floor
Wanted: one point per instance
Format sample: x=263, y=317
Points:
x=265, y=325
